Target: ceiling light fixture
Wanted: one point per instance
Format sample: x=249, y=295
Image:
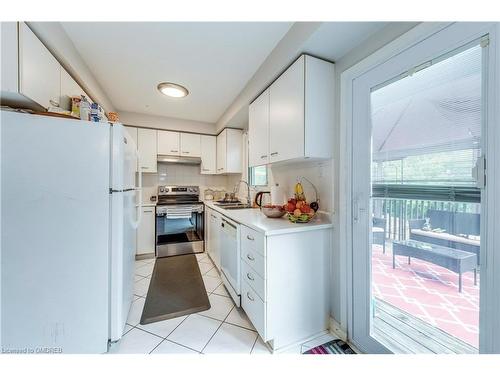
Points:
x=173, y=90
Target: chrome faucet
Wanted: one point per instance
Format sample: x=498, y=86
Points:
x=236, y=189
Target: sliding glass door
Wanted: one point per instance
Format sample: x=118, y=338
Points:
x=418, y=129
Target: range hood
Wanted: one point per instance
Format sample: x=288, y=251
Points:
x=178, y=159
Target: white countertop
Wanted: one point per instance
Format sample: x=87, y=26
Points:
x=253, y=218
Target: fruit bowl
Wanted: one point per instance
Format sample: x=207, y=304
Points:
x=303, y=218
x=273, y=211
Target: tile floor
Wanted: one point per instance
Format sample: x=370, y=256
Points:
x=222, y=329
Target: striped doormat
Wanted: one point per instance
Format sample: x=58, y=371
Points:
x=332, y=347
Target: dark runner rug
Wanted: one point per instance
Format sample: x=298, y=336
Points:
x=176, y=289
x=332, y=347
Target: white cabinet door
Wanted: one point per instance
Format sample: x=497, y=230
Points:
x=69, y=88
x=258, y=130
x=146, y=232
x=190, y=144
x=208, y=154
x=146, y=144
x=39, y=71
x=234, y=150
x=168, y=143
x=9, y=53
x=221, y=152
x=286, y=114
x=215, y=237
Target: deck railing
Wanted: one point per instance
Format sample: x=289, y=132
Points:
x=398, y=212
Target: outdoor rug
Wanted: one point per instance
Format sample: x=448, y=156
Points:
x=176, y=289
x=332, y=347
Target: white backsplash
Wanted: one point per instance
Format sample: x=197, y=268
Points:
x=319, y=173
x=178, y=174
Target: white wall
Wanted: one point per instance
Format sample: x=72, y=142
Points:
x=58, y=43
x=372, y=44
x=165, y=123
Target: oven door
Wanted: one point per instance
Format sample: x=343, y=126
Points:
x=179, y=230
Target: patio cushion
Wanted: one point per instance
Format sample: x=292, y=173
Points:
x=447, y=237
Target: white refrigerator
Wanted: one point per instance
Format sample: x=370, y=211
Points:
x=69, y=215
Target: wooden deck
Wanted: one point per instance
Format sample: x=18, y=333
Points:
x=401, y=332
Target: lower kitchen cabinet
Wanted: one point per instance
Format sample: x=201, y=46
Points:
x=146, y=240
x=285, y=283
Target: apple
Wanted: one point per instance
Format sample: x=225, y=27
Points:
x=297, y=212
x=306, y=209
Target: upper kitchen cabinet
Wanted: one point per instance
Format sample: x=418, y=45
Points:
x=146, y=144
x=300, y=114
x=208, y=154
x=32, y=75
x=190, y=145
x=229, y=151
x=169, y=143
x=69, y=88
x=258, y=130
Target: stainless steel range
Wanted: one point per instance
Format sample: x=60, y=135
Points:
x=179, y=221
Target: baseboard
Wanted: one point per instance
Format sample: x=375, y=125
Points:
x=145, y=256
x=337, y=330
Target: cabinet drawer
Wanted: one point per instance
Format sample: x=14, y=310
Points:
x=254, y=260
x=256, y=282
x=255, y=308
x=252, y=240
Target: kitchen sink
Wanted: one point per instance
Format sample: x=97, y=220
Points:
x=233, y=206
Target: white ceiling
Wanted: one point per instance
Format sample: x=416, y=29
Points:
x=213, y=60
x=333, y=40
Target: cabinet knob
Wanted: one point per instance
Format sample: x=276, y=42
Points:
x=250, y=237
x=250, y=297
x=249, y=257
x=250, y=277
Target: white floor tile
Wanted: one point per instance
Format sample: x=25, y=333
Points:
x=237, y=316
x=141, y=287
x=231, y=339
x=128, y=327
x=201, y=256
x=163, y=328
x=168, y=347
x=134, y=315
x=195, y=331
x=213, y=272
x=220, y=307
x=205, y=267
x=260, y=347
x=206, y=259
x=211, y=283
x=145, y=270
x=135, y=342
x=221, y=291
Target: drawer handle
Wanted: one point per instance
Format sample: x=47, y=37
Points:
x=147, y=211
x=174, y=151
x=250, y=237
x=263, y=157
x=144, y=167
x=249, y=257
x=250, y=297
x=274, y=153
x=185, y=152
x=250, y=277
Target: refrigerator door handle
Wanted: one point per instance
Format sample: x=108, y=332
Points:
x=138, y=189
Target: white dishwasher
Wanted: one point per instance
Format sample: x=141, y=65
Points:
x=230, y=257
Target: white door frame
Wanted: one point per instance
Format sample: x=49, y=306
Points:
x=490, y=286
